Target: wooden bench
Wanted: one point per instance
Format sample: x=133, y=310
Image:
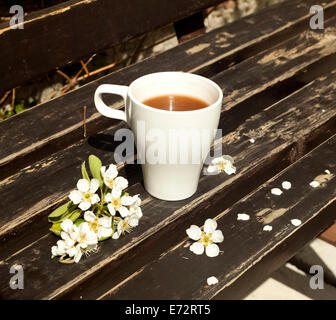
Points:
x=278, y=78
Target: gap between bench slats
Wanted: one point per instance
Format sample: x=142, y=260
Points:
x=282, y=125
x=180, y=274
x=43, y=130
x=271, y=76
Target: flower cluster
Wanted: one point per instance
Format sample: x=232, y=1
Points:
x=90, y=217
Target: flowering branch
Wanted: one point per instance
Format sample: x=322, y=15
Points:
x=89, y=218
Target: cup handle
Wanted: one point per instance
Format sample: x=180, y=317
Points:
x=103, y=108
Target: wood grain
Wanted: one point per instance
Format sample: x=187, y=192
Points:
x=72, y=30
x=45, y=129
x=245, y=243
x=280, y=127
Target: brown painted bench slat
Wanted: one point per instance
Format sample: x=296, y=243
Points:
x=279, y=87
x=52, y=126
x=246, y=247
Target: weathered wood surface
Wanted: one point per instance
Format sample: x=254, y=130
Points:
x=75, y=29
x=273, y=74
x=246, y=247
x=282, y=94
x=278, y=128
x=52, y=126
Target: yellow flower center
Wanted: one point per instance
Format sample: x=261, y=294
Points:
x=116, y=202
x=94, y=225
x=110, y=182
x=82, y=237
x=222, y=165
x=125, y=227
x=87, y=196
x=206, y=239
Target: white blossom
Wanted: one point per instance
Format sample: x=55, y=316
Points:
x=296, y=222
x=206, y=239
x=314, y=184
x=286, y=185
x=111, y=179
x=101, y=226
x=267, y=228
x=276, y=191
x=223, y=163
x=243, y=216
x=126, y=225
x=212, y=280
x=85, y=195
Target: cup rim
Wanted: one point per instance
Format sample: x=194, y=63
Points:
x=211, y=106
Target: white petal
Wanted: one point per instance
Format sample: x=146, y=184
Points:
x=210, y=226
x=212, y=250
x=116, y=235
x=124, y=212
x=94, y=185
x=286, y=185
x=71, y=252
x=104, y=232
x=116, y=193
x=217, y=236
x=227, y=158
x=212, y=169
x=95, y=198
x=66, y=225
x=84, y=228
x=327, y=171
x=314, y=184
x=127, y=200
x=54, y=251
x=121, y=183
x=133, y=221
x=276, y=191
x=108, y=197
x=230, y=169
x=296, y=222
x=83, y=185
x=194, y=232
x=197, y=248
x=110, y=208
x=138, y=212
x=217, y=161
x=137, y=200
x=105, y=222
x=252, y=140
x=112, y=171
x=243, y=216
x=75, y=196
x=212, y=280
x=84, y=205
x=78, y=255
x=267, y=228
x=102, y=170
x=89, y=216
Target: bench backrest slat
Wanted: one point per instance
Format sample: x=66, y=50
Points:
x=56, y=36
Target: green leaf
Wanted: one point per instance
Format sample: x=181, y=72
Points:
x=60, y=211
x=95, y=165
x=56, y=228
x=73, y=216
x=84, y=172
x=19, y=108
x=79, y=221
x=124, y=193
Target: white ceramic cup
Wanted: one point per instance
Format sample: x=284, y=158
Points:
x=168, y=180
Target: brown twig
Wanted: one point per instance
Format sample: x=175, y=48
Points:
x=13, y=99
x=5, y=96
x=84, y=120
